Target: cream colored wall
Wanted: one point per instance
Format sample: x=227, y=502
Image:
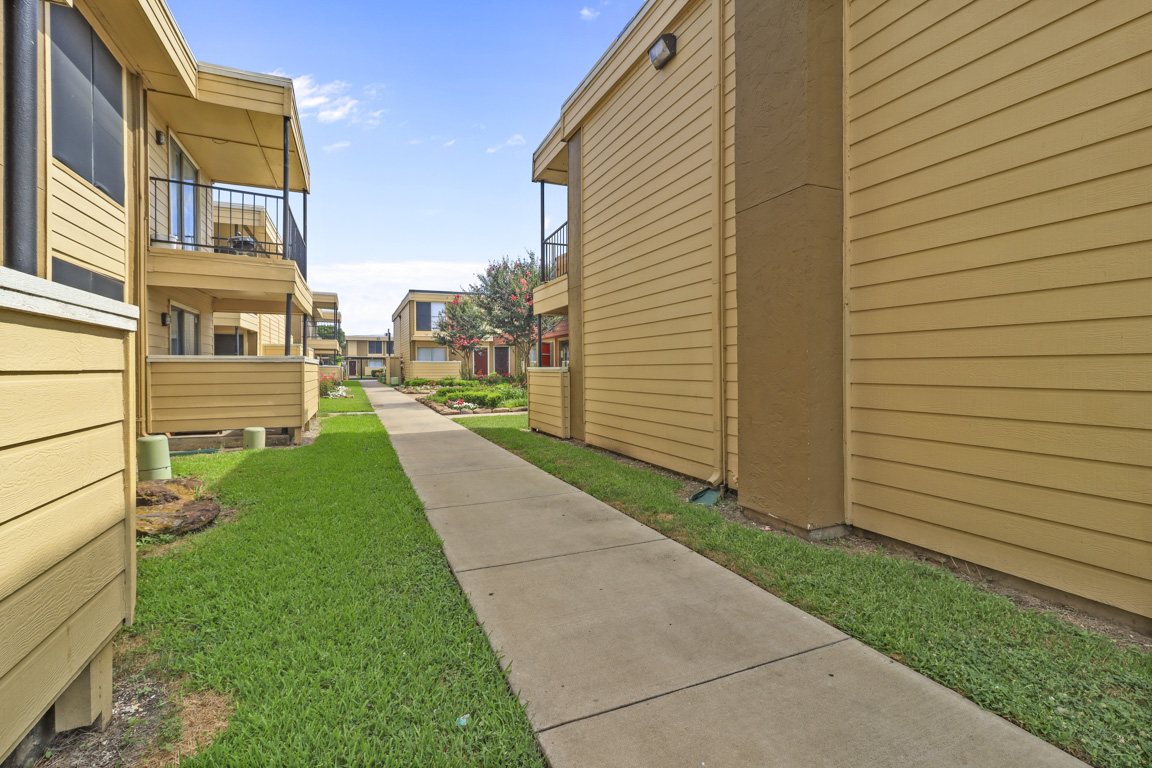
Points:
x=1000, y=178
x=654, y=234
x=66, y=467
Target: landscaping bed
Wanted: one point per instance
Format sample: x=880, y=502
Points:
x=1086, y=693
x=358, y=402
x=327, y=615
x=491, y=394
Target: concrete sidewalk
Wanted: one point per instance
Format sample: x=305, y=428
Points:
x=630, y=650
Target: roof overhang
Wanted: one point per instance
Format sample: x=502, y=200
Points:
x=628, y=50
x=550, y=160
x=326, y=305
x=147, y=36
x=234, y=127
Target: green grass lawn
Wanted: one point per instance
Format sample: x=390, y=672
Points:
x=1075, y=689
x=358, y=401
x=328, y=613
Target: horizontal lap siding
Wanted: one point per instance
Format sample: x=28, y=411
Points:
x=649, y=259
x=65, y=584
x=426, y=370
x=548, y=402
x=85, y=227
x=210, y=395
x=1000, y=179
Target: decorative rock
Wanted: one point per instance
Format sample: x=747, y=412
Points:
x=482, y=410
x=501, y=410
x=177, y=518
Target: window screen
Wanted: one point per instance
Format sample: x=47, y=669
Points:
x=375, y=347
x=87, y=104
x=431, y=354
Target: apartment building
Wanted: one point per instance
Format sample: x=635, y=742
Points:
x=873, y=264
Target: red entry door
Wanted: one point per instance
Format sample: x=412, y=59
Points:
x=480, y=362
x=502, y=361
x=352, y=368
x=546, y=355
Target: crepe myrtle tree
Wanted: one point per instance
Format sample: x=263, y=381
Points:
x=503, y=293
x=463, y=329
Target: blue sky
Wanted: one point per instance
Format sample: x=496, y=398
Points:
x=420, y=120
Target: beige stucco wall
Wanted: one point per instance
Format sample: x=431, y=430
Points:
x=789, y=240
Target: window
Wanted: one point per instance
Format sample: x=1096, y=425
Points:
x=375, y=347
x=87, y=104
x=185, y=331
x=428, y=314
x=182, y=206
x=391, y=347
x=432, y=354
x=564, y=353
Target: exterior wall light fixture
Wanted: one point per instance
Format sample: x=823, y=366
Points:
x=662, y=51
x=161, y=138
x=165, y=319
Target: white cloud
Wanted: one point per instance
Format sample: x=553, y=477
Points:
x=413, y=141
x=370, y=291
x=587, y=14
x=337, y=146
x=514, y=141
x=450, y=143
x=339, y=109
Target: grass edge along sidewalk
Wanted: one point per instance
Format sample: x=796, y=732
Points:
x=329, y=615
x=1072, y=688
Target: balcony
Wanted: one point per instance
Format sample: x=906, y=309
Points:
x=551, y=298
x=227, y=243
x=204, y=393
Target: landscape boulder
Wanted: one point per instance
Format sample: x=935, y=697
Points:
x=172, y=507
x=175, y=519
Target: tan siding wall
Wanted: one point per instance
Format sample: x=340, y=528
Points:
x=68, y=574
x=549, y=401
x=1000, y=287
x=414, y=370
x=271, y=334
x=85, y=227
x=649, y=258
x=230, y=393
x=161, y=300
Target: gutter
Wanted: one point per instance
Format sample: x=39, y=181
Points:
x=21, y=148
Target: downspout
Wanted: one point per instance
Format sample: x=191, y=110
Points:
x=286, y=213
x=720, y=459
x=288, y=327
x=21, y=147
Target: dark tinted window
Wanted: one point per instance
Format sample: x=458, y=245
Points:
x=423, y=316
x=375, y=347
x=87, y=104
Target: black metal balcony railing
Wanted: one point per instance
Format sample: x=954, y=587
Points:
x=222, y=220
x=327, y=330
x=556, y=254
